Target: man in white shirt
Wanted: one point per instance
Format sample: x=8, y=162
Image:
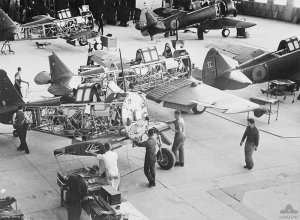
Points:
x=110, y=159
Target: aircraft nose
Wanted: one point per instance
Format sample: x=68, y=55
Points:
x=239, y=78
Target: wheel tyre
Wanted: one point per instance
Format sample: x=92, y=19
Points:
x=197, y=111
x=259, y=112
x=15, y=133
x=259, y=73
x=166, y=159
x=225, y=32
x=82, y=41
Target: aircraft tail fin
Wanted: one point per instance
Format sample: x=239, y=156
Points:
x=9, y=96
x=6, y=21
x=58, y=69
x=218, y=72
x=214, y=66
x=148, y=19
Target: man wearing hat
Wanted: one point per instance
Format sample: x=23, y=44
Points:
x=22, y=123
x=252, y=139
x=150, y=157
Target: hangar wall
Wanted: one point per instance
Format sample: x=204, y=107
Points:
x=269, y=10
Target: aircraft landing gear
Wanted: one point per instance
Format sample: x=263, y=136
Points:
x=15, y=133
x=166, y=34
x=225, y=32
x=198, y=111
x=165, y=158
x=82, y=41
x=200, y=34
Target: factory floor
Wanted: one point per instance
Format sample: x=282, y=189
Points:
x=213, y=183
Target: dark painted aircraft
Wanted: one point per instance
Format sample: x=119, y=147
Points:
x=259, y=65
x=150, y=26
x=217, y=23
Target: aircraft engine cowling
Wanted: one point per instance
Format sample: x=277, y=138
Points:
x=227, y=8
x=42, y=78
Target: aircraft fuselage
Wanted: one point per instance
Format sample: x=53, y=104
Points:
x=275, y=66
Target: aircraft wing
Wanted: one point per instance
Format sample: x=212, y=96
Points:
x=165, y=12
x=237, y=52
x=42, y=20
x=189, y=92
x=224, y=22
x=106, y=58
x=81, y=148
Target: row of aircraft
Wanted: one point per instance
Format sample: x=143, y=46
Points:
x=120, y=114
x=80, y=28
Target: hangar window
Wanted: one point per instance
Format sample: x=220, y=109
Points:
x=297, y=4
x=262, y=1
x=280, y=2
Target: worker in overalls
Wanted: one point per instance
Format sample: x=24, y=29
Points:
x=150, y=156
x=22, y=124
x=18, y=81
x=251, y=135
x=76, y=194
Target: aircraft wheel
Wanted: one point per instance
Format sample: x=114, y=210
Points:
x=15, y=133
x=166, y=34
x=259, y=112
x=166, y=159
x=205, y=31
x=198, y=111
x=225, y=32
x=16, y=36
x=82, y=41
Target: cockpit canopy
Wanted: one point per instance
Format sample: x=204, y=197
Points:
x=289, y=45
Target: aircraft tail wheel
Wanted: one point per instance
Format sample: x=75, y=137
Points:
x=166, y=159
x=198, y=111
x=16, y=36
x=205, y=31
x=82, y=41
x=15, y=133
x=225, y=32
x=259, y=112
x=259, y=73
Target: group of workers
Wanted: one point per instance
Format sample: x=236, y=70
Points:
x=77, y=186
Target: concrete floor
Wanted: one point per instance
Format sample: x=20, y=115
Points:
x=213, y=183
